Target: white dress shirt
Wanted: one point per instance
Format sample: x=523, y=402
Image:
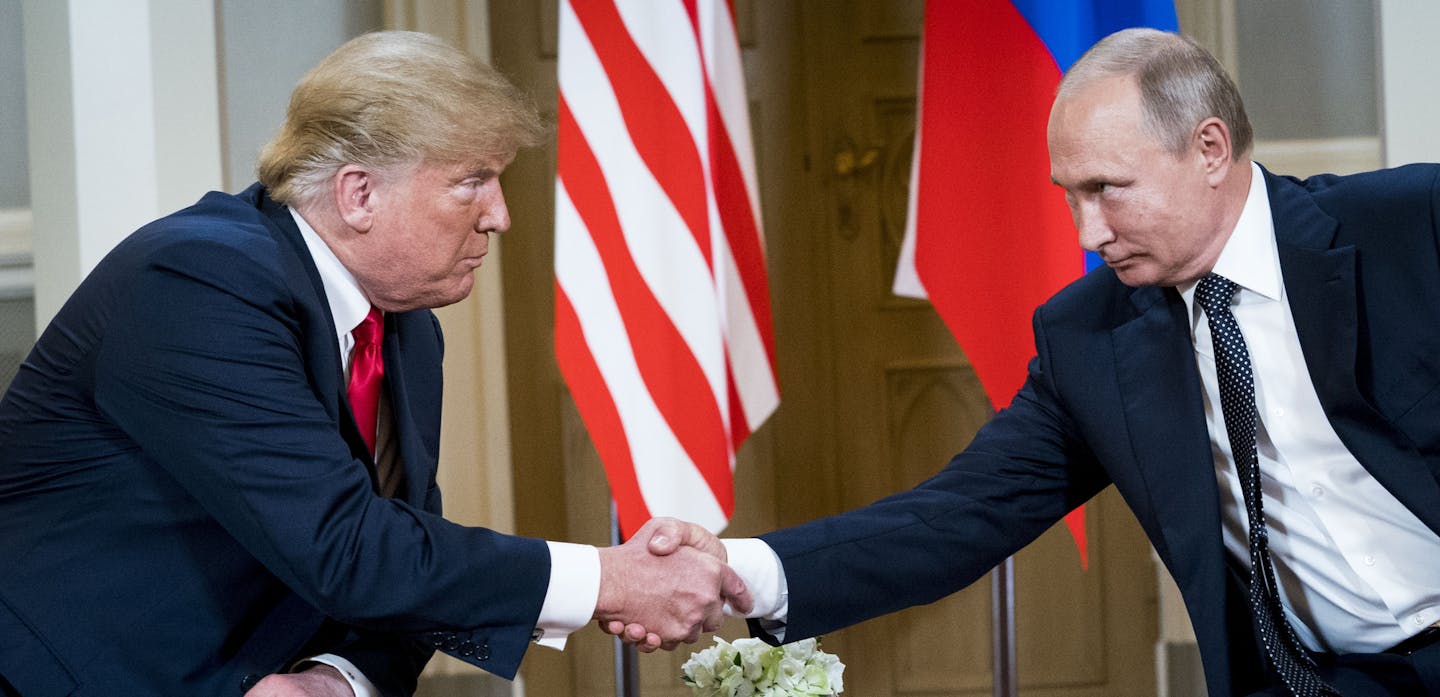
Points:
x=574, y=586
x=1357, y=571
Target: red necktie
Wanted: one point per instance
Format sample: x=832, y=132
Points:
x=367, y=372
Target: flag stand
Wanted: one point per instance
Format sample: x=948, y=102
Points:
x=627, y=657
x=1002, y=592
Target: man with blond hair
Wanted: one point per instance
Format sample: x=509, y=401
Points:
x=219, y=461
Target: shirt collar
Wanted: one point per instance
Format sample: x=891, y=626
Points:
x=348, y=304
x=1249, y=258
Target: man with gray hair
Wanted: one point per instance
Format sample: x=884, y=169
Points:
x=1256, y=369
x=219, y=462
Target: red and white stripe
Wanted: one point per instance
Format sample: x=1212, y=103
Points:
x=662, y=307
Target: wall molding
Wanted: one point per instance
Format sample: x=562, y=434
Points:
x=17, y=262
x=15, y=235
x=1304, y=157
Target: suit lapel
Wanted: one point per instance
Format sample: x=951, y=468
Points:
x=1322, y=286
x=1160, y=390
x=1164, y=411
x=324, y=362
x=1320, y=283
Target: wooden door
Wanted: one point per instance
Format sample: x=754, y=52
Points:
x=875, y=394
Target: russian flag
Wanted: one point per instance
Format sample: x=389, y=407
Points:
x=988, y=237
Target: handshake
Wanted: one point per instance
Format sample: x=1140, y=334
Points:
x=666, y=585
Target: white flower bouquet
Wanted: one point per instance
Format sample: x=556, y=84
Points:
x=752, y=668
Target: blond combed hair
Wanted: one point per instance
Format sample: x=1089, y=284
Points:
x=392, y=99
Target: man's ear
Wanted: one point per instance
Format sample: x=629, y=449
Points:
x=1212, y=137
x=355, y=197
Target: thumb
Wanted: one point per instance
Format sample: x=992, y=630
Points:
x=704, y=541
x=666, y=536
x=735, y=593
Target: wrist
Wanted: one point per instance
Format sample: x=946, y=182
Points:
x=609, y=603
x=334, y=675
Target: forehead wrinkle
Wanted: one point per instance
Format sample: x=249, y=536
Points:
x=461, y=168
x=1096, y=137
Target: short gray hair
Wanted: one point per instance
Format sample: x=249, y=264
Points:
x=388, y=99
x=1181, y=84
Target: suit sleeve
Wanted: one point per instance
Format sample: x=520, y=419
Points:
x=1023, y=471
x=204, y=370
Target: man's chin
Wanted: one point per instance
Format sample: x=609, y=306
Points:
x=452, y=298
x=1136, y=276
x=449, y=295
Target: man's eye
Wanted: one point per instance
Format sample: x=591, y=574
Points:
x=473, y=185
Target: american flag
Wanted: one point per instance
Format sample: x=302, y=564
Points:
x=662, y=307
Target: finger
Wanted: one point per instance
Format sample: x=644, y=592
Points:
x=666, y=535
x=698, y=537
x=628, y=633
x=690, y=637
x=651, y=643
x=714, y=615
x=735, y=592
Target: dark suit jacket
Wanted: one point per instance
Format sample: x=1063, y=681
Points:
x=185, y=500
x=1113, y=397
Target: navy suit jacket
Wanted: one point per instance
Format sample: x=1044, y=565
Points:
x=1113, y=396
x=185, y=500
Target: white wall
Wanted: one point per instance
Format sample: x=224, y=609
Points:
x=124, y=98
x=14, y=154
x=1410, y=103
x=123, y=126
x=266, y=46
x=1319, y=80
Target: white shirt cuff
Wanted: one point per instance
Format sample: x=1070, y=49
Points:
x=360, y=684
x=760, y=568
x=571, y=596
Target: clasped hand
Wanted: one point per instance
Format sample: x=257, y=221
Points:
x=666, y=585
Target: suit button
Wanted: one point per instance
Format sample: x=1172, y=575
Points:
x=467, y=648
x=483, y=653
x=248, y=681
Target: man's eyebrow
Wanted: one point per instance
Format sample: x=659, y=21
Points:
x=477, y=172
x=1087, y=183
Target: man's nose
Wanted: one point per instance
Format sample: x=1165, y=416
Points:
x=1094, y=230
x=496, y=217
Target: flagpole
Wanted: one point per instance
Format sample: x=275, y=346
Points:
x=627, y=658
x=1002, y=591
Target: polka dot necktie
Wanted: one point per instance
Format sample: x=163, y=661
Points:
x=1237, y=401
x=367, y=372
